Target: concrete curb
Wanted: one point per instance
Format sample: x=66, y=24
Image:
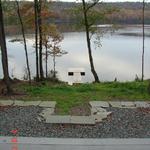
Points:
x=76, y=141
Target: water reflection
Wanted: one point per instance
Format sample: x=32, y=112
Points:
x=119, y=56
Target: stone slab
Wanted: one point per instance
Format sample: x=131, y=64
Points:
x=127, y=104
x=94, y=110
x=31, y=103
x=59, y=119
x=100, y=116
x=115, y=104
x=142, y=104
x=97, y=118
x=50, y=104
x=18, y=103
x=148, y=102
x=6, y=102
x=47, y=112
x=82, y=120
x=103, y=115
x=99, y=104
x=70, y=119
x=100, y=109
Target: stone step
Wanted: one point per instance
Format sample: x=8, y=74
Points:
x=31, y=103
x=56, y=119
x=82, y=120
x=46, y=104
x=99, y=104
x=46, y=112
x=6, y=102
x=50, y=104
x=127, y=104
x=142, y=104
x=115, y=104
x=118, y=104
x=18, y=103
x=95, y=110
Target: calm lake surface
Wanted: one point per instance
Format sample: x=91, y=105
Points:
x=119, y=56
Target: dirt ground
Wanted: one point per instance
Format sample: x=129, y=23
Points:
x=16, y=93
x=82, y=110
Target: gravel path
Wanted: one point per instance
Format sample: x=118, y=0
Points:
x=123, y=123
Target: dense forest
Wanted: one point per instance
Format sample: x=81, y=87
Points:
x=127, y=13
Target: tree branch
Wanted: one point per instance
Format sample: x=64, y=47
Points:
x=92, y=5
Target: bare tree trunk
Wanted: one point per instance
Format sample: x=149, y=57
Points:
x=46, y=61
x=4, y=53
x=40, y=39
x=143, y=23
x=24, y=40
x=36, y=38
x=89, y=43
x=54, y=62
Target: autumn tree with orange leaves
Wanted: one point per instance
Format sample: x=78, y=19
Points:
x=36, y=17
x=51, y=42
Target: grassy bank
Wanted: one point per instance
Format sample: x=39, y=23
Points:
x=68, y=97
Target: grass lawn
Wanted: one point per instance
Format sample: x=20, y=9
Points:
x=68, y=97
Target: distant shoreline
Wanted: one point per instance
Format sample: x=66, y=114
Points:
x=14, y=30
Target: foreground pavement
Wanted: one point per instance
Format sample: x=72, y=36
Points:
x=29, y=143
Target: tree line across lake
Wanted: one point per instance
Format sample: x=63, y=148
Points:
x=129, y=13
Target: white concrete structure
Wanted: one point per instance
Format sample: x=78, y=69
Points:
x=75, y=75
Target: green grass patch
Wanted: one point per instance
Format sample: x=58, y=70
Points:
x=69, y=96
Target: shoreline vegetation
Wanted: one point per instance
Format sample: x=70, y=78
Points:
x=69, y=97
x=14, y=30
x=130, y=13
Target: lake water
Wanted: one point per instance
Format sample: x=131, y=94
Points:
x=119, y=56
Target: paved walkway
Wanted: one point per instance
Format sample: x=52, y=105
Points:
x=29, y=143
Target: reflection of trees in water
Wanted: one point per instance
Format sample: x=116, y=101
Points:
x=134, y=34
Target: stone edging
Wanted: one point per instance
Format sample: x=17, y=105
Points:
x=45, y=104
x=98, y=111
